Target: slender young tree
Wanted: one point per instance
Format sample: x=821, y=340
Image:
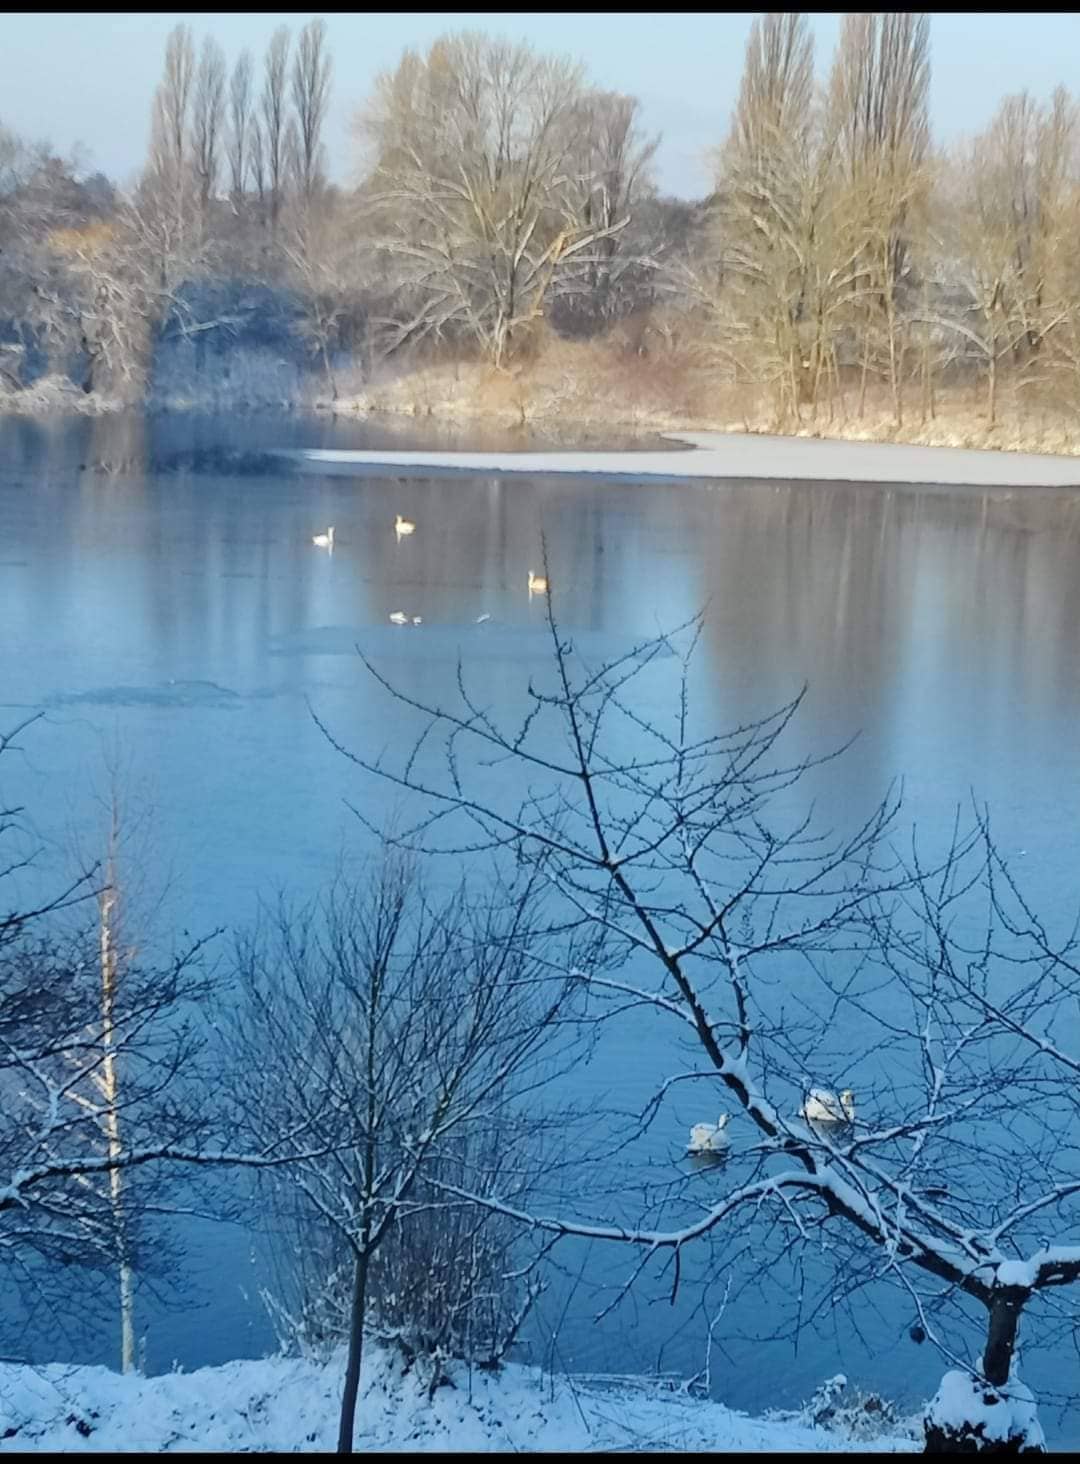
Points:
x=386, y=1028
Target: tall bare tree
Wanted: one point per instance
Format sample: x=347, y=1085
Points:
x=169, y=154
x=257, y=158
x=612, y=163
x=273, y=105
x=779, y=241
x=311, y=97
x=240, y=124
x=208, y=120
x=880, y=99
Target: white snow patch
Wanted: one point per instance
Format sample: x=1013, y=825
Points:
x=290, y=1405
x=964, y=1402
x=1016, y=1273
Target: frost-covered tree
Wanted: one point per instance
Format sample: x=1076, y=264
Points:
x=93, y=1050
x=100, y=1065
x=399, y=1034
x=473, y=190
x=789, y=958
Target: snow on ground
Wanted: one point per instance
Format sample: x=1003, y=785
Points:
x=743, y=455
x=997, y=1414
x=290, y=1405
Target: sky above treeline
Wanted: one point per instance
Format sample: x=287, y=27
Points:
x=89, y=78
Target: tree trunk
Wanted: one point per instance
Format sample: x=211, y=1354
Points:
x=356, y=1347
x=865, y=369
x=1001, y=1335
x=981, y=1415
x=328, y=369
x=110, y=1090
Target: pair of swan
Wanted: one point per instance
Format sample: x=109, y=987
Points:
x=400, y=618
x=538, y=584
x=402, y=526
x=820, y=1108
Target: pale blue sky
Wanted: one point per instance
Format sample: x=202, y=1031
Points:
x=90, y=77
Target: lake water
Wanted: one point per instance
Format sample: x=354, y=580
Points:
x=180, y=613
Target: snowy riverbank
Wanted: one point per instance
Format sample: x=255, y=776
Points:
x=289, y=1405
x=740, y=455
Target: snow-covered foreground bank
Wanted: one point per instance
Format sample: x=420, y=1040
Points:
x=742, y=455
x=291, y=1405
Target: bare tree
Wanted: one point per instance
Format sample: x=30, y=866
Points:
x=116, y=282
x=387, y=1028
x=274, y=109
x=102, y=1088
x=207, y=120
x=612, y=163
x=320, y=252
x=311, y=97
x=172, y=105
x=1006, y=214
x=92, y=1047
x=241, y=120
x=471, y=193
x=258, y=160
x=785, y=955
x=880, y=99
x=780, y=264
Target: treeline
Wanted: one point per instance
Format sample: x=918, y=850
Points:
x=500, y=201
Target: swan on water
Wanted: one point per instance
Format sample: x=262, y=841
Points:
x=824, y=1107
x=538, y=584
x=709, y=1138
x=324, y=541
x=403, y=526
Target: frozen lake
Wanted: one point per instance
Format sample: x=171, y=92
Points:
x=180, y=611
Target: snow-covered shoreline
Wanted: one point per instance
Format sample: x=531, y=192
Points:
x=721, y=455
x=289, y=1405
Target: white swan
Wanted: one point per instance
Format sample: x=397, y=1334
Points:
x=399, y=618
x=480, y=619
x=324, y=541
x=538, y=585
x=709, y=1138
x=403, y=526
x=824, y=1107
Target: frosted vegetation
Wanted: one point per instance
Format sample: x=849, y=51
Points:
x=504, y=249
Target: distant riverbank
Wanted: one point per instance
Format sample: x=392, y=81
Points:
x=955, y=447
